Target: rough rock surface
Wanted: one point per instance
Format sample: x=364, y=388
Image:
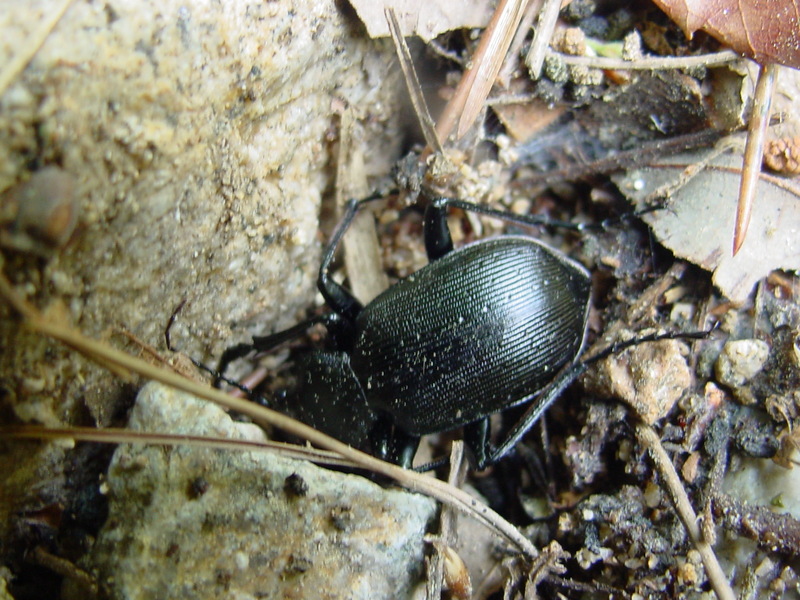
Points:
x=201, y=523
x=199, y=138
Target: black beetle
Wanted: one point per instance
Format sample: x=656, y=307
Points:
x=482, y=328
x=478, y=330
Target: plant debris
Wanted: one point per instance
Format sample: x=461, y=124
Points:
x=767, y=33
x=635, y=482
x=697, y=222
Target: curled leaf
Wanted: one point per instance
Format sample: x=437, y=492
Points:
x=696, y=225
x=424, y=19
x=768, y=31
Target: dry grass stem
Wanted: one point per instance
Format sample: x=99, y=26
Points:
x=489, y=59
x=116, y=435
x=753, y=152
x=434, y=488
x=480, y=74
x=658, y=63
x=21, y=59
x=412, y=82
x=648, y=438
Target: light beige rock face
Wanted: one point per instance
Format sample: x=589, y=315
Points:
x=199, y=138
x=200, y=523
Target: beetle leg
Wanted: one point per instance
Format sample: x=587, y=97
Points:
x=404, y=447
x=438, y=241
x=337, y=296
x=541, y=401
x=441, y=205
x=268, y=342
x=566, y=377
x=476, y=438
x=392, y=444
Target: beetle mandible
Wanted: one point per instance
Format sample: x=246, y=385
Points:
x=481, y=328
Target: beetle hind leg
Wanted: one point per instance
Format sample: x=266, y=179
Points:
x=340, y=300
x=392, y=444
x=476, y=439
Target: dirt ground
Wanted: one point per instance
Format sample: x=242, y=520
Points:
x=183, y=167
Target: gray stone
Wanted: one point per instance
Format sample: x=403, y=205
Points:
x=738, y=363
x=189, y=522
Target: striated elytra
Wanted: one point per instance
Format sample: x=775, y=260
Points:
x=479, y=329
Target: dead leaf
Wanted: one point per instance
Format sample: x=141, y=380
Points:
x=698, y=222
x=488, y=59
x=768, y=31
x=524, y=120
x=424, y=18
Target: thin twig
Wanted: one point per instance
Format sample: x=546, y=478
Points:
x=412, y=82
x=788, y=185
x=447, y=522
x=458, y=499
x=445, y=53
x=541, y=39
x=773, y=532
x=753, y=152
x=649, y=439
x=118, y=435
x=487, y=46
x=668, y=189
x=505, y=99
x=66, y=569
x=644, y=154
x=655, y=63
x=19, y=61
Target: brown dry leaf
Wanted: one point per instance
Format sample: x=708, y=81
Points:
x=423, y=18
x=697, y=224
x=524, y=120
x=488, y=59
x=768, y=31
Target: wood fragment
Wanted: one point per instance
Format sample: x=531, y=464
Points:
x=495, y=37
x=541, y=39
x=773, y=532
x=362, y=252
x=489, y=59
x=648, y=438
x=753, y=152
x=24, y=55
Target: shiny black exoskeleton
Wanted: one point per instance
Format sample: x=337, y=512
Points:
x=480, y=329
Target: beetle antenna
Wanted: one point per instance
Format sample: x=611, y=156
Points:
x=201, y=365
x=653, y=337
x=545, y=220
x=433, y=465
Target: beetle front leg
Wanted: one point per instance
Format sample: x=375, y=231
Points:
x=438, y=240
x=476, y=438
x=337, y=296
x=540, y=403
